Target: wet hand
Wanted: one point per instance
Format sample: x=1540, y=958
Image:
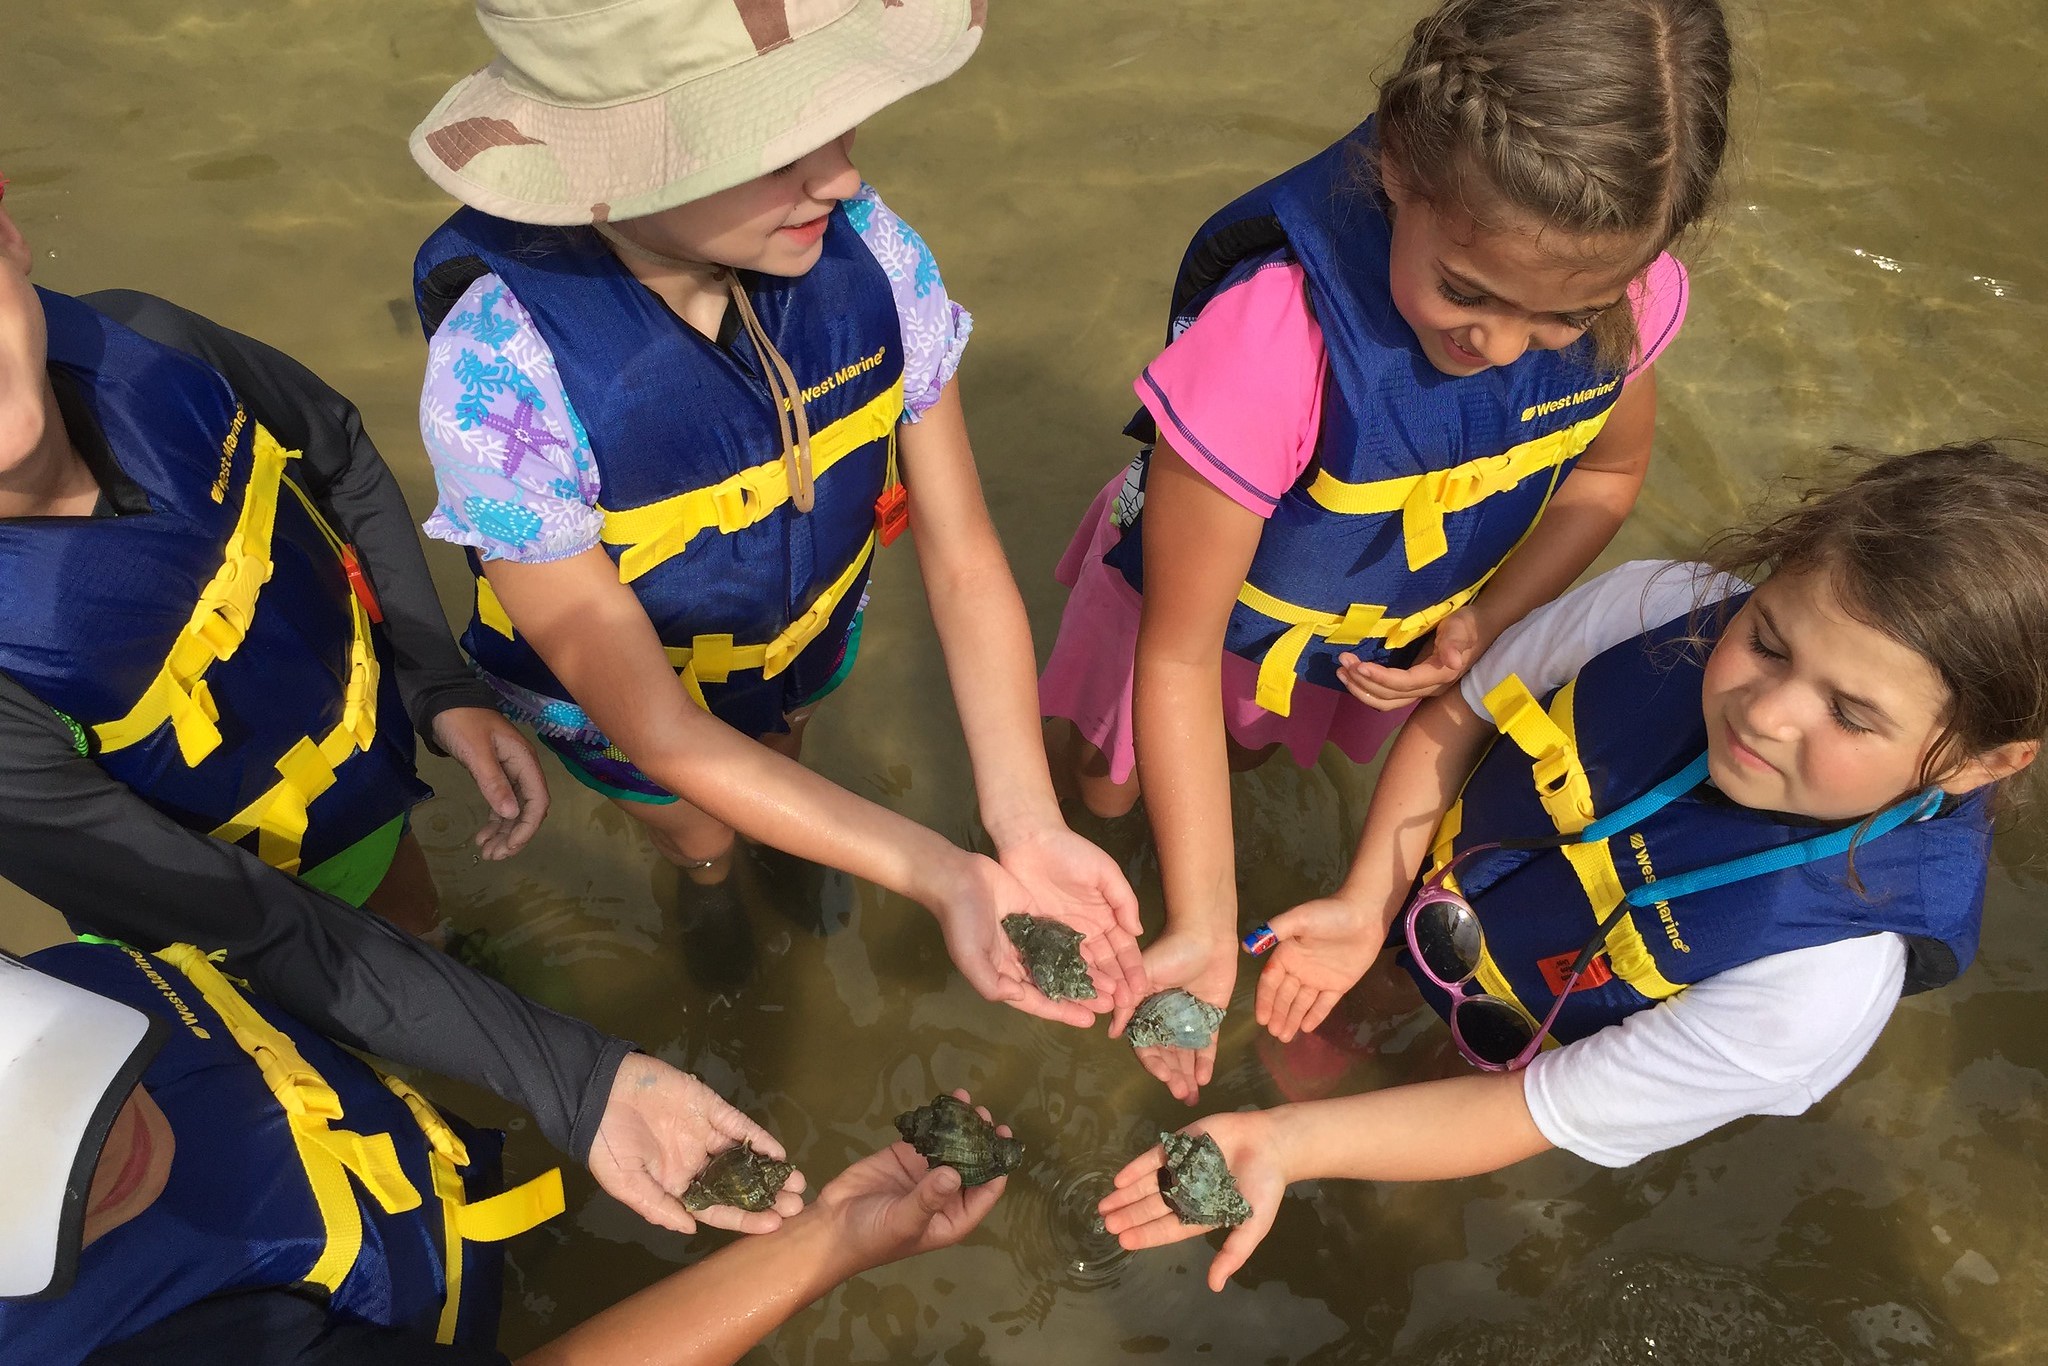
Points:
x=506, y=770
x=1140, y=1217
x=980, y=892
x=1070, y=880
x=660, y=1127
x=1208, y=970
x=891, y=1205
x=1457, y=642
x=1323, y=948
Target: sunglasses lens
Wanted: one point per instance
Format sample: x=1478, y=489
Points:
x=1447, y=936
x=1492, y=1029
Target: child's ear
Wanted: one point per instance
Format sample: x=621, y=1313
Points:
x=1991, y=766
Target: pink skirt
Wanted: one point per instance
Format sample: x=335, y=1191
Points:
x=1088, y=679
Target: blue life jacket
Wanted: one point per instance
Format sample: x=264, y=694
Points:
x=1630, y=720
x=752, y=600
x=295, y=1166
x=1422, y=483
x=211, y=650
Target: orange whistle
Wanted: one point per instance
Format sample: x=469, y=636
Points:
x=892, y=513
x=359, y=583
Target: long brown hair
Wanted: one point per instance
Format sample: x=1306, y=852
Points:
x=1603, y=119
x=1946, y=552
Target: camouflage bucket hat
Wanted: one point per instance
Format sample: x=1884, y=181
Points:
x=609, y=109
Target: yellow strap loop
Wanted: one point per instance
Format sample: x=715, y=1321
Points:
x=659, y=531
x=279, y=815
x=219, y=621
x=330, y=1156
x=1424, y=500
x=715, y=658
x=489, y=610
x=1548, y=738
x=1360, y=622
x=493, y=1220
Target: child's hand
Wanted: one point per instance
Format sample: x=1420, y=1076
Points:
x=1208, y=970
x=1457, y=642
x=1139, y=1216
x=660, y=1127
x=891, y=1205
x=507, y=773
x=1324, y=947
x=980, y=892
x=1074, y=882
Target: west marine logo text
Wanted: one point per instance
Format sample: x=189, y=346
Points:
x=1664, y=916
x=156, y=980
x=1557, y=405
x=843, y=374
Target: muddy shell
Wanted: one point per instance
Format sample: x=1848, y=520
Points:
x=739, y=1177
x=1052, y=955
x=1173, y=1019
x=948, y=1133
x=1197, y=1183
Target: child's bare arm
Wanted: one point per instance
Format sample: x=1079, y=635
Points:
x=1198, y=545
x=1326, y=945
x=986, y=639
x=1431, y=1131
x=593, y=633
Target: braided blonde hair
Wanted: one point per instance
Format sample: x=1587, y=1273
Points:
x=1602, y=119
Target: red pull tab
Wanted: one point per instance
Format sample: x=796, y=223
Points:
x=892, y=513
x=1559, y=965
x=359, y=583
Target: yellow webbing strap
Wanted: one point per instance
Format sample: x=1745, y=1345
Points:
x=658, y=531
x=307, y=768
x=491, y=1220
x=1548, y=738
x=489, y=610
x=713, y=659
x=1360, y=622
x=329, y=1155
x=219, y=622
x=1424, y=500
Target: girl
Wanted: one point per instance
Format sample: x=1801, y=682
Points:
x=1386, y=365
x=670, y=429
x=1738, y=825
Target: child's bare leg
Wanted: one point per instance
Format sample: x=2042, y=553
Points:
x=1081, y=770
x=697, y=843
x=407, y=896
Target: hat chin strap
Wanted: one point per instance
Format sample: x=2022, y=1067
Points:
x=790, y=417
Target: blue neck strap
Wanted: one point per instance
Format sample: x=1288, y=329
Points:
x=1920, y=806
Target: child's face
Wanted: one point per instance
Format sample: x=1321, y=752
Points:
x=134, y=1166
x=773, y=224
x=24, y=352
x=1477, y=299
x=1813, y=712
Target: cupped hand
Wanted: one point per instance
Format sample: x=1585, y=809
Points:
x=891, y=1204
x=970, y=914
x=1324, y=947
x=660, y=1127
x=1071, y=880
x=1208, y=971
x=1140, y=1217
x=1458, y=641
x=506, y=770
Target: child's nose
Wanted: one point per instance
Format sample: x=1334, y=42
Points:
x=830, y=172
x=1503, y=343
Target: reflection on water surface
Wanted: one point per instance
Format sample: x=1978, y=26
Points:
x=1876, y=278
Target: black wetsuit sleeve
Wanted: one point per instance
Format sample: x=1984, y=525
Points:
x=113, y=865
x=280, y=1328
x=342, y=470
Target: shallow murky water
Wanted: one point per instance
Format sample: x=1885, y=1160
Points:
x=1876, y=278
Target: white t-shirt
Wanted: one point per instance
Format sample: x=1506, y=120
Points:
x=1768, y=1038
